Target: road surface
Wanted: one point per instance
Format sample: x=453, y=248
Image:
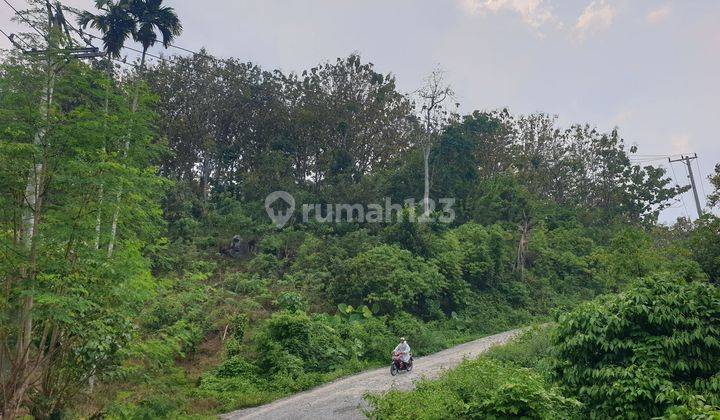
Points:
x=343, y=398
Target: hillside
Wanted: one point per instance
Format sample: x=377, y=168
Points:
x=191, y=236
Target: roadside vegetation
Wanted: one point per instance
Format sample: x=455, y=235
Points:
x=650, y=351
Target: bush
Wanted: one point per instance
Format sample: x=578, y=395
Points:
x=291, y=301
x=246, y=284
x=236, y=367
x=422, y=339
x=638, y=353
x=237, y=326
x=369, y=338
x=390, y=279
x=478, y=389
x=293, y=342
x=484, y=252
x=532, y=349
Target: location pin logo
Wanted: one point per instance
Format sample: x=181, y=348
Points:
x=278, y=216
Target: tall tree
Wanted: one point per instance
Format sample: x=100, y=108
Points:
x=116, y=25
x=150, y=16
x=434, y=117
x=31, y=210
x=65, y=309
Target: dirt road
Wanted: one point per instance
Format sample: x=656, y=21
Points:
x=343, y=399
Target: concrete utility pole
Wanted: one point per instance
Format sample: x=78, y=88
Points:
x=687, y=160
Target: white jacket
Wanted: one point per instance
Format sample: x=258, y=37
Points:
x=404, y=349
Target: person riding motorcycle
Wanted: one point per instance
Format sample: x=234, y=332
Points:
x=403, y=350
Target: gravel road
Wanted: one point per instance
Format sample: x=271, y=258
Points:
x=343, y=399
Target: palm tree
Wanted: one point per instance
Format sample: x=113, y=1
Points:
x=153, y=17
x=116, y=24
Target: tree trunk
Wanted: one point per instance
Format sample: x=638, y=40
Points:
x=98, y=220
x=31, y=217
x=19, y=370
x=205, y=182
x=426, y=194
x=523, y=243
x=116, y=214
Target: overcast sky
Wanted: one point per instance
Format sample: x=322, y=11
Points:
x=650, y=67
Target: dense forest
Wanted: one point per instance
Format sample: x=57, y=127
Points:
x=142, y=278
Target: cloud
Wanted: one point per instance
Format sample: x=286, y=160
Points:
x=658, y=15
x=598, y=15
x=534, y=13
x=680, y=143
x=625, y=114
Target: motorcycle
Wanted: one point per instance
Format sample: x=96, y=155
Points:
x=398, y=365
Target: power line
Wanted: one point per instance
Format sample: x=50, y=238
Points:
x=24, y=18
x=702, y=177
x=81, y=33
x=87, y=42
x=40, y=33
x=11, y=38
x=134, y=49
x=647, y=160
x=682, y=196
x=164, y=59
x=189, y=50
x=171, y=45
x=687, y=160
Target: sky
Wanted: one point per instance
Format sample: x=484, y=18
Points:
x=649, y=67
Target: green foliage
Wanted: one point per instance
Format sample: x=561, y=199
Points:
x=292, y=302
x=532, y=349
x=477, y=389
x=292, y=342
x=638, y=353
x=390, y=278
x=66, y=304
x=694, y=408
x=499, y=199
x=630, y=254
x=484, y=254
x=236, y=367
x=704, y=243
x=238, y=325
x=167, y=325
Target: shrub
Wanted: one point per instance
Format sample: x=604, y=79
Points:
x=478, y=389
x=422, y=339
x=237, y=326
x=637, y=353
x=236, y=367
x=695, y=408
x=390, y=279
x=291, y=301
x=233, y=392
x=369, y=338
x=293, y=342
x=484, y=252
x=247, y=284
x=532, y=349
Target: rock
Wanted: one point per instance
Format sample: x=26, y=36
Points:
x=239, y=248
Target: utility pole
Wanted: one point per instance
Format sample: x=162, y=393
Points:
x=58, y=24
x=687, y=160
